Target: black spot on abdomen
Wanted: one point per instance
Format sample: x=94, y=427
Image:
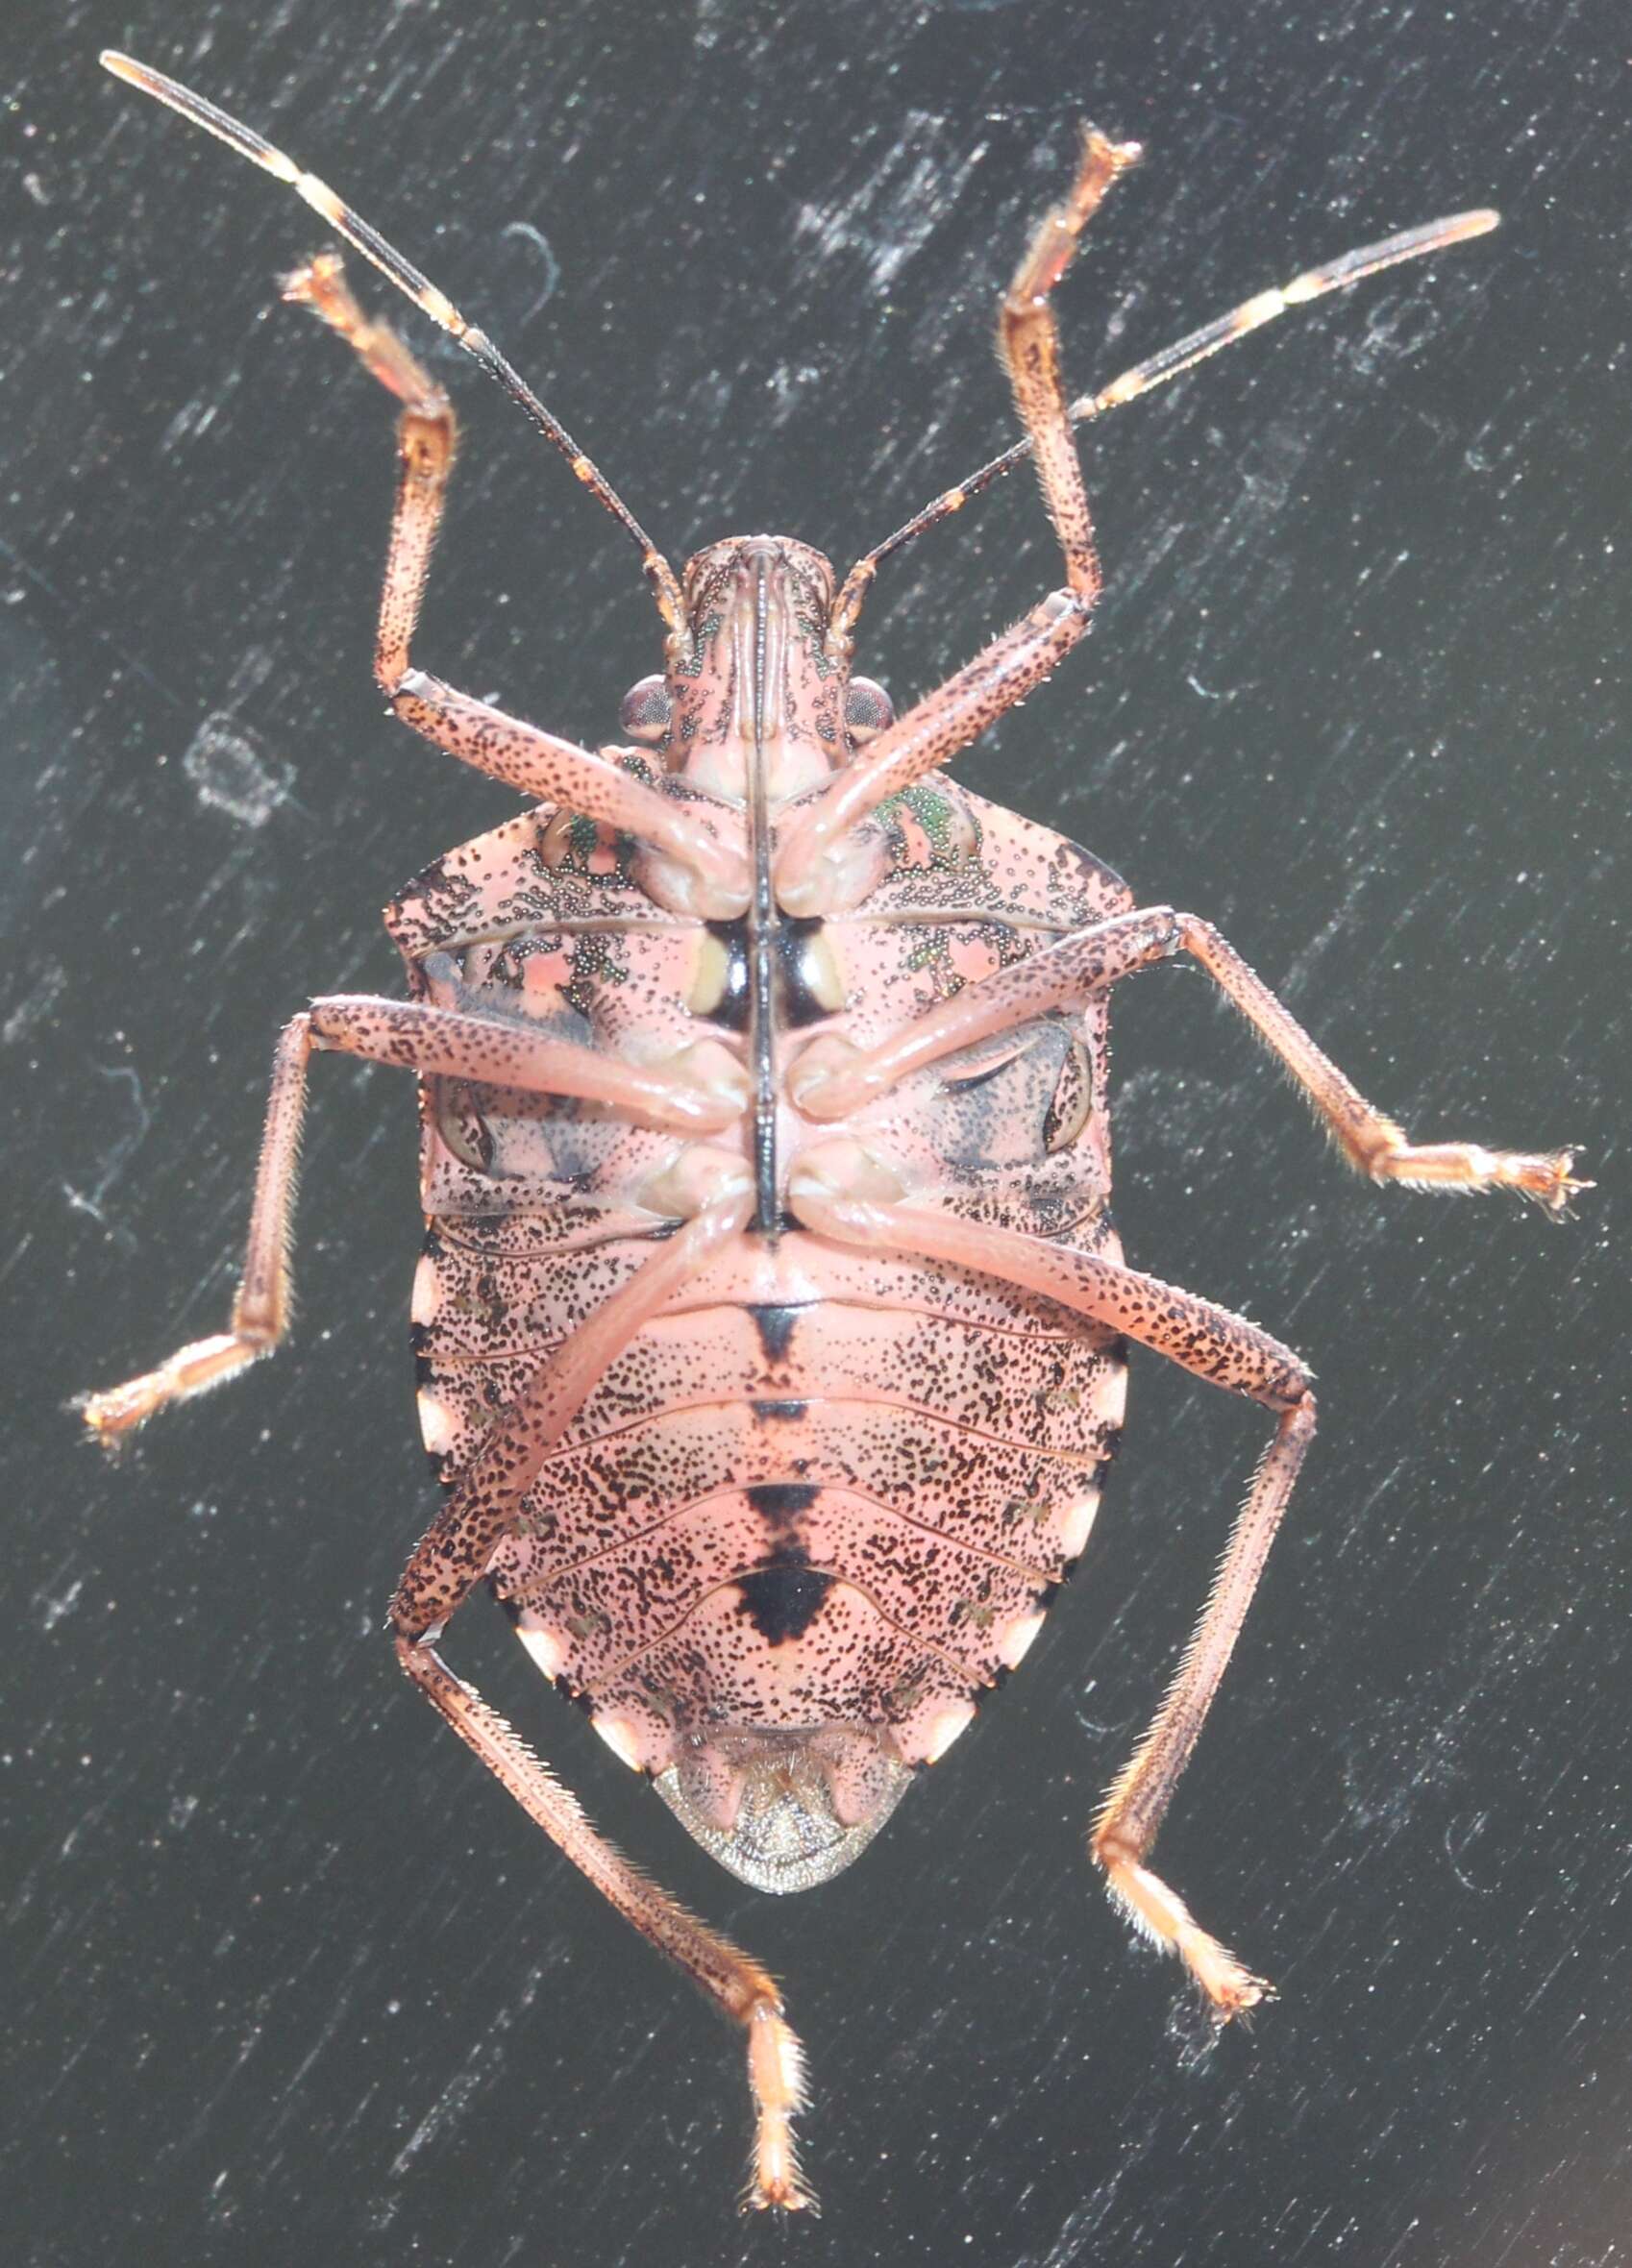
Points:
x=783, y=1599
x=774, y=1326
x=779, y=1503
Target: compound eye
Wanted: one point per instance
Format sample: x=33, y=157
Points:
x=644, y=712
x=867, y=710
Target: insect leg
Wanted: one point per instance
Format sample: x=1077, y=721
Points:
x=693, y=1097
x=453, y=1556
x=348, y=223
x=692, y=1093
x=260, y=1309
x=813, y=874
x=427, y=439
x=936, y=728
x=1371, y=1144
x=539, y=764
x=1337, y=275
x=483, y=1508
x=1213, y=1344
x=1028, y=337
x=831, y=1079
x=730, y=1978
x=548, y=769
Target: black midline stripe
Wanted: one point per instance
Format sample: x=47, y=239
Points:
x=762, y=925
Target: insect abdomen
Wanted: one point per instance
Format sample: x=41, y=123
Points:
x=838, y=1499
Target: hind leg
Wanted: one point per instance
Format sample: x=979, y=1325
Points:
x=453, y=1556
x=1212, y=1344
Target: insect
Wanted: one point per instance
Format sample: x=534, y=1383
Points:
x=771, y=1319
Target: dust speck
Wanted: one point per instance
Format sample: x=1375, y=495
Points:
x=233, y=775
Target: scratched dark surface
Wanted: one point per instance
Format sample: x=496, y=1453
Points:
x=286, y=1977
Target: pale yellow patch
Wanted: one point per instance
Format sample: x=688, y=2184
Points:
x=709, y=976
x=943, y=1729
x=824, y=978
x=435, y=1424
x=619, y=1736
x=426, y=1298
x=547, y=1650
x=1017, y=1639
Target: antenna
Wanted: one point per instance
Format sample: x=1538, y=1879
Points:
x=424, y=296
x=1337, y=274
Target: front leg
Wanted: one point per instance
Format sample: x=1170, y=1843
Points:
x=831, y=1078
x=819, y=870
x=711, y=880
x=426, y=438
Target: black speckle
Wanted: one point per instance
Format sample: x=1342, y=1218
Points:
x=783, y=1599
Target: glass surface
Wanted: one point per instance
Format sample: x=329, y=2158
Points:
x=288, y=1977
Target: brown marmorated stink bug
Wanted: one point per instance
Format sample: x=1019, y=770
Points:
x=771, y=1319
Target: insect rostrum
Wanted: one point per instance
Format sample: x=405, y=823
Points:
x=771, y=1316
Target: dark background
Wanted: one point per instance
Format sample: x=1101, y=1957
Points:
x=287, y=1978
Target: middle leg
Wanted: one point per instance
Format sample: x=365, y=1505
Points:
x=702, y=1090
x=831, y=1078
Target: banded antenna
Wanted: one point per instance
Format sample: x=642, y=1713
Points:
x=424, y=296
x=1337, y=274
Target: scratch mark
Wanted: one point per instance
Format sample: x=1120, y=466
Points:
x=552, y=267
x=118, y=1156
